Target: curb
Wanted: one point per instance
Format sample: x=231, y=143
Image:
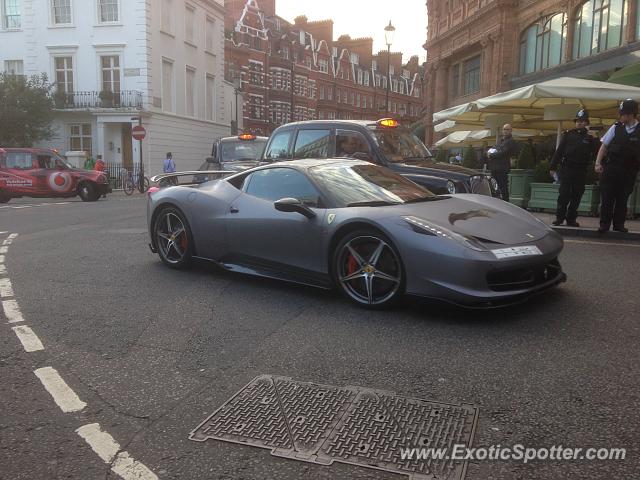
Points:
x=593, y=233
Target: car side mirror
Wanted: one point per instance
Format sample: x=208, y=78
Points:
x=293, y=205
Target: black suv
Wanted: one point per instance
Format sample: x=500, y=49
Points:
x=384, y=142
x=234, y=154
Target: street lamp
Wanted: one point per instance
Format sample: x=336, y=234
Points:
x=237, y=84
x=389, y=30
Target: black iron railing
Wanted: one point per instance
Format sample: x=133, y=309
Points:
x=103, y=99
x=117, y=173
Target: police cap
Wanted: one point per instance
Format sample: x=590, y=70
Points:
x=629, y=106
x=582, y=115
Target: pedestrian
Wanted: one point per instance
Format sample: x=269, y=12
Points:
x=458, y=159
x=169, y=166
x=618, y=162
x=500, y=160
x=99, y=165
x=89, y=163
x=576, y=150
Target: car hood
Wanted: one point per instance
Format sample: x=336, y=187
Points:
x=240, y=166
x=425, y=166
x=492, y=221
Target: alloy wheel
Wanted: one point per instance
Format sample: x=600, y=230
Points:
x=172, y=238
x=369, y=270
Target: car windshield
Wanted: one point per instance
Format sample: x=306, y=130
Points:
x=399, y=144
x=367, y=185
x=242, y=150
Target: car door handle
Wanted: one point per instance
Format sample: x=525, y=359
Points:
x=233, y=210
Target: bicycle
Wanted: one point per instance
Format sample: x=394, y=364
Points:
x=130, y=182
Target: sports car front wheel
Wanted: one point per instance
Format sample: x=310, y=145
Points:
x=367, y=269
x=173, y=238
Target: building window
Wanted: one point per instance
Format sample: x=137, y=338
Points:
x=599, y=25
x=64, y=74
x=355, y=58
x=366, y=79
x=11, y=14
x=190, y=92
x=471, y=80
x=323, y=65
x=210, y=35
x=542, y=44
x=108, y=11
x=189, y=24
x=61, y=12
x=110, y=73
x=211, y=97
x=80, y=139
x=256, y=74
x=255, y=107
x=167, y=86
x=166, y=16
x=14, y=67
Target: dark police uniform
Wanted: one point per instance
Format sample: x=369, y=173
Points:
x=620, y=169
x=577, y=149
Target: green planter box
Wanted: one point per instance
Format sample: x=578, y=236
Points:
x=519, y=191
x=544, y=196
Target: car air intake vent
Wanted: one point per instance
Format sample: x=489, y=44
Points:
x=523, y=278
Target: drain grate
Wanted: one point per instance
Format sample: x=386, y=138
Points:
x=359, y=426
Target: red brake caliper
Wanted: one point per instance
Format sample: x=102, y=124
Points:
x=352, y=265
x=183, y=241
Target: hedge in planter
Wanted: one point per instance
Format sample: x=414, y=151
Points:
x=521, y=176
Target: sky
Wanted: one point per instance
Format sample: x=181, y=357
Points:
x=367, y=18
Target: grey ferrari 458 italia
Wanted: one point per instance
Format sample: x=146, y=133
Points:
x=359, y=227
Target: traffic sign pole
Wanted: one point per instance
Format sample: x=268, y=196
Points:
x=139, y=133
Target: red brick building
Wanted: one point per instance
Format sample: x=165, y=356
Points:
x=292, y=72
x=477, y=48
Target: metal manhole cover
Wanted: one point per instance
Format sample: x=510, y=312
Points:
x=355, y=425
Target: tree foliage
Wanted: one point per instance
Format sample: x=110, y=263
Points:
x=469, y=158
x=526, y=160
x=26, y=110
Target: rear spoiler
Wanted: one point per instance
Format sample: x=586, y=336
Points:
x=217, y=174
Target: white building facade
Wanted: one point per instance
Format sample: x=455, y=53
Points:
x=115, y=61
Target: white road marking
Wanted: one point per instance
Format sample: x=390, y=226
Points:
x=586, y=242
x=7, y=242
x=5, y=287
x=107, y=449
x=12, y=236
x=66, y=398
x=4, y=249
x=12, y=311
x=17, y=207
x=1, y=258
x=3, y=269
x=2, y=233
x=29, y=340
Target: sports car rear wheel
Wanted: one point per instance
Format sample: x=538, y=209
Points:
x=368, y=269
x=173, y=238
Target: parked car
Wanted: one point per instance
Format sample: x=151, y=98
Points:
x=359, y=227
x=42, y=173
x=384, y=142
x=233, y=154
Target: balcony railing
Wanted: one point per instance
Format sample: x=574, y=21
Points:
x=104, y=99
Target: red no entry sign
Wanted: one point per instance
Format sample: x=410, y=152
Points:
x=138, y=132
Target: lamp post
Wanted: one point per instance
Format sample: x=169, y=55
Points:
x=237, y=84
x=389, y=30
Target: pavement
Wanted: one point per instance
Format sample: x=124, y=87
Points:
x=589, y=226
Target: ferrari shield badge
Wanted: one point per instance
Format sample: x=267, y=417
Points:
x=330, y=218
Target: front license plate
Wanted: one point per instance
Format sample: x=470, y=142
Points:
x=516, y=252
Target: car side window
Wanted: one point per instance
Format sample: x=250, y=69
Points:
x=312, y=144
x=276, y=183
x=349, y=143
x=279, y=146
x=45, y=161
x=19, y=160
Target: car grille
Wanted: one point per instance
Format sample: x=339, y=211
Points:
x=480, y=185
x=523, y=278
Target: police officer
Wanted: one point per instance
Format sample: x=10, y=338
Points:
x=500, y=160
x=618, y=161
x=577, y=148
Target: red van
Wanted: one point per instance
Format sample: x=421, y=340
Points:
x=42, y=173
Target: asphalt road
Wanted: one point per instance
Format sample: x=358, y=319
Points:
x=152, y=352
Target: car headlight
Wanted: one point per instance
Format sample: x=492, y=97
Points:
x=430, y=228
x=451, y=187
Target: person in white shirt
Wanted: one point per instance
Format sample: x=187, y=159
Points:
x=618, y=162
